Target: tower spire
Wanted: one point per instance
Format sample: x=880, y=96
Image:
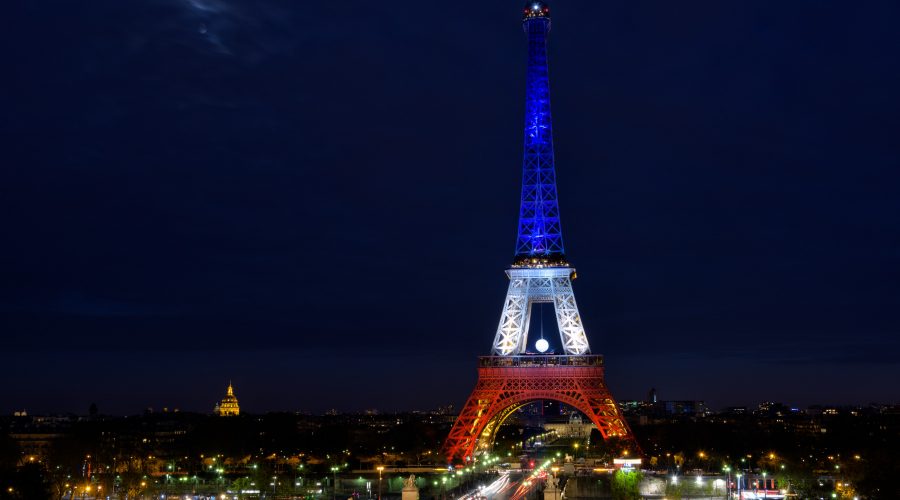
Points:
x=540, y=233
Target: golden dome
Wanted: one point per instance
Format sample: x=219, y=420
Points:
x=229, y=404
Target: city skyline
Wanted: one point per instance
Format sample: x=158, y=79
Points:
x=200, y=192
x=228, y=406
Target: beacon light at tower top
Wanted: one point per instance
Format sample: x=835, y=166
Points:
x=536, y=9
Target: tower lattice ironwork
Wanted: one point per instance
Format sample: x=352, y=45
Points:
x=512, y=377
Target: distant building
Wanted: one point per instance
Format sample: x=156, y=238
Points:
x=229, y=404
x=633, y=407
x=654, y=408
x=446, y=410
x=696, y=408
x=736, y=410
x=574, y=428
x=772, y=409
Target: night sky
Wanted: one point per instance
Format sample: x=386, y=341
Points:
x=317, y=200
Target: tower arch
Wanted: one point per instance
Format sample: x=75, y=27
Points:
x=507, y=382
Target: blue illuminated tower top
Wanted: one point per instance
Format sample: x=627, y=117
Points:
x=540, y=240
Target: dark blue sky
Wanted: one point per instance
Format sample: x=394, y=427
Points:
x=317, y=200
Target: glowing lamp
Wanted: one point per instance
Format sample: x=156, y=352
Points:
x=542, y=345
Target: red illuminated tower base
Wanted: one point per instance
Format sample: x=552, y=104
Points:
x=506, y=383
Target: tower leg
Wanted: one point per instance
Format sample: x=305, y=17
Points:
x=514, y=319
x=460, y=443
x=568, y=320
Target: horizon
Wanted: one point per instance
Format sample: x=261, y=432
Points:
x=323, y=411
x=425, y=411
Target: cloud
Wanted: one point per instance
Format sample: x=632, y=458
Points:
x=209, y=18
x=206, y=6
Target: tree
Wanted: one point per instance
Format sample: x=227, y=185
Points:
x=626, y=485
x=242, y=484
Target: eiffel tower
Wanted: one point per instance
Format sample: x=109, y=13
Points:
x=512, y=377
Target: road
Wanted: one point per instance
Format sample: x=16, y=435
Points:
x=510, y=485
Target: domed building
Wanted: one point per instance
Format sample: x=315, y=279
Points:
x=229, y=405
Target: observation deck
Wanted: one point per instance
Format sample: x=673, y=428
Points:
x=540, y=361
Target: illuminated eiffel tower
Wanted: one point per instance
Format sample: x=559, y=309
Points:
x=511, y=378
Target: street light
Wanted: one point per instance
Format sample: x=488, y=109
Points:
x=727, y=470
x=765, y=487
x=334, y=483
x=380, y=470
x=168, y=478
